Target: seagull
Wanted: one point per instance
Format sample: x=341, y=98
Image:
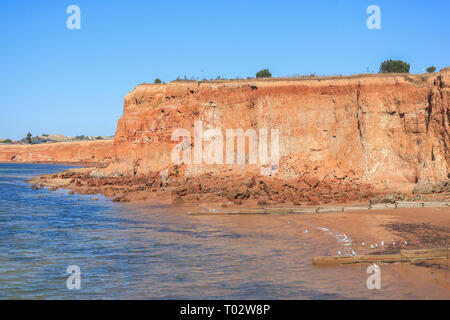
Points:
x=406, y=242
x=382, y=243
x=371, y=246
x=376, y=245
x=353, y=253
x=393, y=243
x=306, y=231
x=340, y=253
x=363, y=244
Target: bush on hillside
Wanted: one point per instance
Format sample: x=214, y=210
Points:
x=394, y=66
x=28, y=138
x=265, y=73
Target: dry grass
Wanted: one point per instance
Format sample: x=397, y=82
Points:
x=417, y=79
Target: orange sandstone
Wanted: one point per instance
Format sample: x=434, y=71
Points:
x=383, y=129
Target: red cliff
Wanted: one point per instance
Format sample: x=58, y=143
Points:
x=384, y=129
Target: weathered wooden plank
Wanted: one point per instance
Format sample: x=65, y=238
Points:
x=382, y=258
x=382, y=206
x=436, y=204
x=335, y=260
x=329, y=209
x=216, y=213
x=300, y=210
x=356, y=208
x=252, y=211
x=422, y=254
x=403, y=256
x=278, y=210
x=409, y=204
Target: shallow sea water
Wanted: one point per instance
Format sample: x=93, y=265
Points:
x=159, y=252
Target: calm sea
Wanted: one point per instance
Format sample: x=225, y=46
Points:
x=159, y=252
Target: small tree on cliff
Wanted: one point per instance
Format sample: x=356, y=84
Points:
x=431, y=69
x=394, y=66
x=157, y=80
x=264, y=73
x=29, y=135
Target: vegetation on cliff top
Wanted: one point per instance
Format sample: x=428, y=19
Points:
x=394, y=66
x=28, y=138
x=265, y=73
x=386, y=67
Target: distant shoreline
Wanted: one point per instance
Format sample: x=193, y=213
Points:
x=60, y=163
x=70, y=152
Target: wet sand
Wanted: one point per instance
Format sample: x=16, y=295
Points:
x=407, y=228
x=328, y=233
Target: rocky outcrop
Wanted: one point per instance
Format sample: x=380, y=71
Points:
x=386, y=130
x=70, y=152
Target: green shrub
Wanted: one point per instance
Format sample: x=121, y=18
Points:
x=431, y=69
x=9, y=141
x=28, y=138
x=157, y=80
x=81, y=138
x=265, y=73
x=394, y=66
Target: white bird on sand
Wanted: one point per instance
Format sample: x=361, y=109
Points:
x=353, y=253
x=376, y=245
x=406, y=242
x=382, y=243
x=363, y=244
x=371, y=246
x=306, y=231
x=393, y=243
x=340, y=253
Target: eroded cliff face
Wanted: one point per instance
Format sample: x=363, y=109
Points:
x=383, y=129
x=70, y=152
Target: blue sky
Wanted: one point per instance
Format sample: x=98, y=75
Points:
x=72, y=82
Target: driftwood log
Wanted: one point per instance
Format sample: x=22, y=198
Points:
x=326, y=209
x=403, y=256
